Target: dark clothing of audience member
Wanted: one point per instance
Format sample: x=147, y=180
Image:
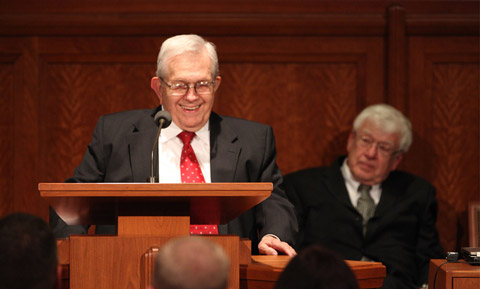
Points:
x=28, y=254
x=317, y=267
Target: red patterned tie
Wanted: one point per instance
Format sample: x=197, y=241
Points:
x=191, y=173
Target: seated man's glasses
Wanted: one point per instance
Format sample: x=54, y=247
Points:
x=181, y=88
x=385, y=148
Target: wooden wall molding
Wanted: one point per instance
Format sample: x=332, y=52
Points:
x=149, y=24
x=7, y=88
x=397, y=50
x=328, y=18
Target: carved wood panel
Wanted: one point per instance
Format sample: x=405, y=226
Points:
x=76, y=94
x=309, y=91
x=444, y=107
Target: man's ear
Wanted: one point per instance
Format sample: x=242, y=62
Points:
x=398, y=159
x=351, y=141
x=156, y=85
x=218, y=80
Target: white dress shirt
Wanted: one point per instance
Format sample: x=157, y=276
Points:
x=170, y=149
x=352, y=186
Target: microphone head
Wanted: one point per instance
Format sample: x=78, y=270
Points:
x=165, y=115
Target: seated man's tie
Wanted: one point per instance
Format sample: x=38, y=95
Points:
x=191, y=173
x=366, y=208
x=365, y=205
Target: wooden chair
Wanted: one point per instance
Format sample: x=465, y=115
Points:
x=474, y=223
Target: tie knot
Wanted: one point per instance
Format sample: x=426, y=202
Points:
x=186, y=137
x=364, y=188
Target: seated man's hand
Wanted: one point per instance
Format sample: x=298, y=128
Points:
x=269, y=245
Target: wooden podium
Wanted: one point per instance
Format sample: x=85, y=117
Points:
x=147, y=216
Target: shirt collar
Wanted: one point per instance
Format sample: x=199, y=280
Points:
x=173, y=130
x=349, y=179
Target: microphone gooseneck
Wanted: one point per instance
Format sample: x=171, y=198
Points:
x=163, y=120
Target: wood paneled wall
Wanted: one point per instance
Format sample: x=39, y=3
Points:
x=304, y=67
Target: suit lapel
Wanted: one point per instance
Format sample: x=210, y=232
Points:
x=224, y=153
x=140, y=142
x=224, y=150
x=336, y=184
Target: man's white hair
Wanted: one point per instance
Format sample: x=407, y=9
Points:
x=389, y=120
x=180, y=44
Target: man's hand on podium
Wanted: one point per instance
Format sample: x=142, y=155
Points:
x=270, y=245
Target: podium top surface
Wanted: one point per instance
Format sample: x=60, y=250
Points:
x=151, y=189
x=103, y=203
x=269, y=269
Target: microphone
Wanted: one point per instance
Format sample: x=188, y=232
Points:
x=163, y=120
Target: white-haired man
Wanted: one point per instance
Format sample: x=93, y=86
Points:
x=218, y=148
x=365, y=209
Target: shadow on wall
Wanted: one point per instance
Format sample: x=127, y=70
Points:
x=335, y=148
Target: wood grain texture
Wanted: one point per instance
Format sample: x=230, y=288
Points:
x=444, y=107
x=308, y=91
x=92, y=258
x=453, y=275
x=397, y=61
x=474, y=224
x=76, y=94
x=264, y=271
x=133, y=206
x=6, y=131
x=306, y=70
x=273, y=17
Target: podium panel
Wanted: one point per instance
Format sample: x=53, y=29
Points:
x=119, y=262
x=259, y=272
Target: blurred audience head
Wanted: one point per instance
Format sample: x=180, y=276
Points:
x=28, y=253
x=317, y=267
x=191, y=263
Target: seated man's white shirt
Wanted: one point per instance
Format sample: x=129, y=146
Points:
x=170, y=150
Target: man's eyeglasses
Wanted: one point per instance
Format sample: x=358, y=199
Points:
x=366, y=141
x=181, y=88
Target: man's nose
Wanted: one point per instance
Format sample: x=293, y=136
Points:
x=191, y=94
x=372, y=151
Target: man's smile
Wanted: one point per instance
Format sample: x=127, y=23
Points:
x=190, y=108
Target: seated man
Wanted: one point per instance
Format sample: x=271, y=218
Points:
x=28, y=254
x=191, y=263
x=364, y=209
x=217, y=148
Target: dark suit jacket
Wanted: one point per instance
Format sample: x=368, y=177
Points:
x=402, y=233
x=240, y=150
